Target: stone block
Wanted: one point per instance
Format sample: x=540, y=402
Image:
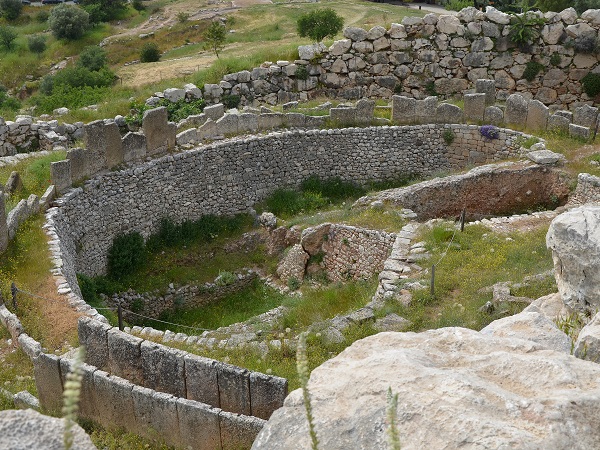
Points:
x=270, y=121
x=343, y=116
x=493, y=115
x=487, y=87
x=207, y=130
x=124, y=356
x=579, y=132
x=114, y=401
x=46, y=369
x=96, y=142
x=93, y=335
x=163, y=368
x=114, y=146
x=25, y=400
x=87, y=396
x=448, y=113
x=30, y=346
x=47, y=198
x=234, y=389
x=403, y=109
x=134, y=147
x=228, y=125
x=155, y=126
x=80, y=163
x=295, y=120
x=198, y=425
x=365, y=111
x=537, y=115
x=174, y=94
x=585, y=116
x=214, y=112
x=425, y=109
x=545, y=157
x=563, y=113
x=14, y=183
x=316, y=121
x=474, y=106
x=171, y=136
x=247, y=123
x=515, y=112
x=267, y=394
x=558, y=123
x=201, y=379
x=238, y=431
x=33, y=205
x=156, y=415
x=60, y=174
x=187, y=137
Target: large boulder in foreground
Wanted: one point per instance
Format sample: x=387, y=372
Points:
x=574, y=238
x=457, y=388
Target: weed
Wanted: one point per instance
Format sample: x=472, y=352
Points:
x=293, y=283
x=448, y=136
x=126, y=255
x=301, y=73
x=525, y=28
x=555, y=59
x=571, y=325
x=591, y=84
x=71, y=393
x=391, y=419
x=303, y=375
x=532, y=69
x=225, y=278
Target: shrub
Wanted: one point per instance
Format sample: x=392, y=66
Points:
x=70, y=97
x=104, y=10
x=138, y=5
x=126, y=255
x=489, y=131
x=532, y=69
x=92, y=58
x=42, y=16
x=11, y=9
x=8, y=103
x=149, y=53
x=182, y=16
x=231, y=101
x=301, y=73
x=591, y=84
x=225, y=279
x=37, y=43
x=525, y=28
x=583, y=5
x=214, y=37
x=457, y=5
x=7, y=38
x=319, y=24
x=68, y=21
x=555, y=59
x=448, y=136
x=176, y=111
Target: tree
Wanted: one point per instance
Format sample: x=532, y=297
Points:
x=150, y=52
x=37, y=43
x=104, y=10
x=11, y=9
x=7, y=38
x=319, y=24
x=68, y=21
x=92, y=58
x=214, y=37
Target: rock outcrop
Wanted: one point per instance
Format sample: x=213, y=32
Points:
x=457, y=388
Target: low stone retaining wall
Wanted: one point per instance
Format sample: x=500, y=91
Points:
x=587, y=191
x=496, y=189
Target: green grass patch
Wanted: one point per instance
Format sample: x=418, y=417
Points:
x=119, y=439
x=16, y=375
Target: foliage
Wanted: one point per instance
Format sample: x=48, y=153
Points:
x=225, y=278
x=138, y=5
x=448, y=136
x=525, y=28
x=71, y=394
x=554, y=5
x=42, y=16
x=37, y=43
x=126, y=254
x=7, y=37
x=92, y=58
x=8, y=103
x=214, y=37
x=555, y=59
x=176, y=110
x=591, y=84
x=583, y=5
x=231, y=101
x=68, y=21
x=457, y=5
x=11, y=9
x=391, y=419
x=182, y=16
x=489, y=131
x=70, y=97
x=301, y=73
x=532, y=69
x=149, y=52
x=104, y=10
x=319, y=24
x=75, y=77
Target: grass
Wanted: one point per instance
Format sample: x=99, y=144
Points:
x=118, y=439
x=16, y=373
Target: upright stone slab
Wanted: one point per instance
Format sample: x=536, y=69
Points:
x=267, y=394
x=87, y=396
x=187, y=137
x=585, y=116
x=425, y=109
x=474, y=107
x=448, y=113
x=295, y=120
x=234, y=389
x=579, y=132
x=487, y=87
x=228, y=125
x=201, y=379
x=365, y=111
x=114, y=401
x=156, y=415
x=238, y=431
x=537, y=116
x=46, y=369
x=270, y=121
x=558, y=123
x=93, y=335
x=80, y=164
x=124, y=356
x=515, y=112
x=214, y=112
x=343, y=116
x=96, y=142
x=155, y=126
x=163, y=368
x=134, y=147
x=48, y=197
x=3, y=225
x=198, y=425
x=171, y=136
x=248, y=123
x=60, y=173
x=207, y=130
x=403, y=109
x=493, y=115
x=114, y=145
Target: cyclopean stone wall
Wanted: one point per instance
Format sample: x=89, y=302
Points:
x=229, y=177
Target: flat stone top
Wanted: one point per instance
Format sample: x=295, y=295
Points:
x=545, y=157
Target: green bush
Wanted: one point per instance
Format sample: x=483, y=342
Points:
x=231, y=101
x=74, y=77
x=68, y=21
x=448, y=136
x=555, y=59
x=70, y=97
x=37, y=43
x=92, y=58
x=301, y=73
x=591, y=84
x=138, y=5
x=525, y=28
x=7, y=38
x=42, y=16
x=127, y=254
x=11, y=9
x=319, y=24
x=532, y=69
x=8, y=103
x=457, y=5
x=149, y=52
x=104, y=10
x=176, y=111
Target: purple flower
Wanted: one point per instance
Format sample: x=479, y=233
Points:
x=489, y=131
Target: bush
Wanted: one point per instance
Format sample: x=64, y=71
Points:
x=176, y=111
x=92, y=58
x=301, y=73
x=42, y=16
x=583, y=5
x=182, y=16
x=73, y=77
x=457, y=5
x=104, y=10
x=231, y=101
x=149, y=53
x=448, y=136
x=555, y=59
x=591, y=84
x=68, y=21
x=319, y=24
x=126, y=255
x=532, y=69
x=7, y=38
x=70, y=97
x=37, y=43
x=8, y=103
x=11, y=9
x=525, y=28
x=489, y=132
x=138, y=5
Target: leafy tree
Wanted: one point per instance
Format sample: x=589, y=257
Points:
x=583, y=5
x=7, y=38
x=104, y=10
x=37, y=43
x=319, y=24
x=68, y=21
x=214, y=37
x=11, y=9
x=150, y=52
x=92, y=58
